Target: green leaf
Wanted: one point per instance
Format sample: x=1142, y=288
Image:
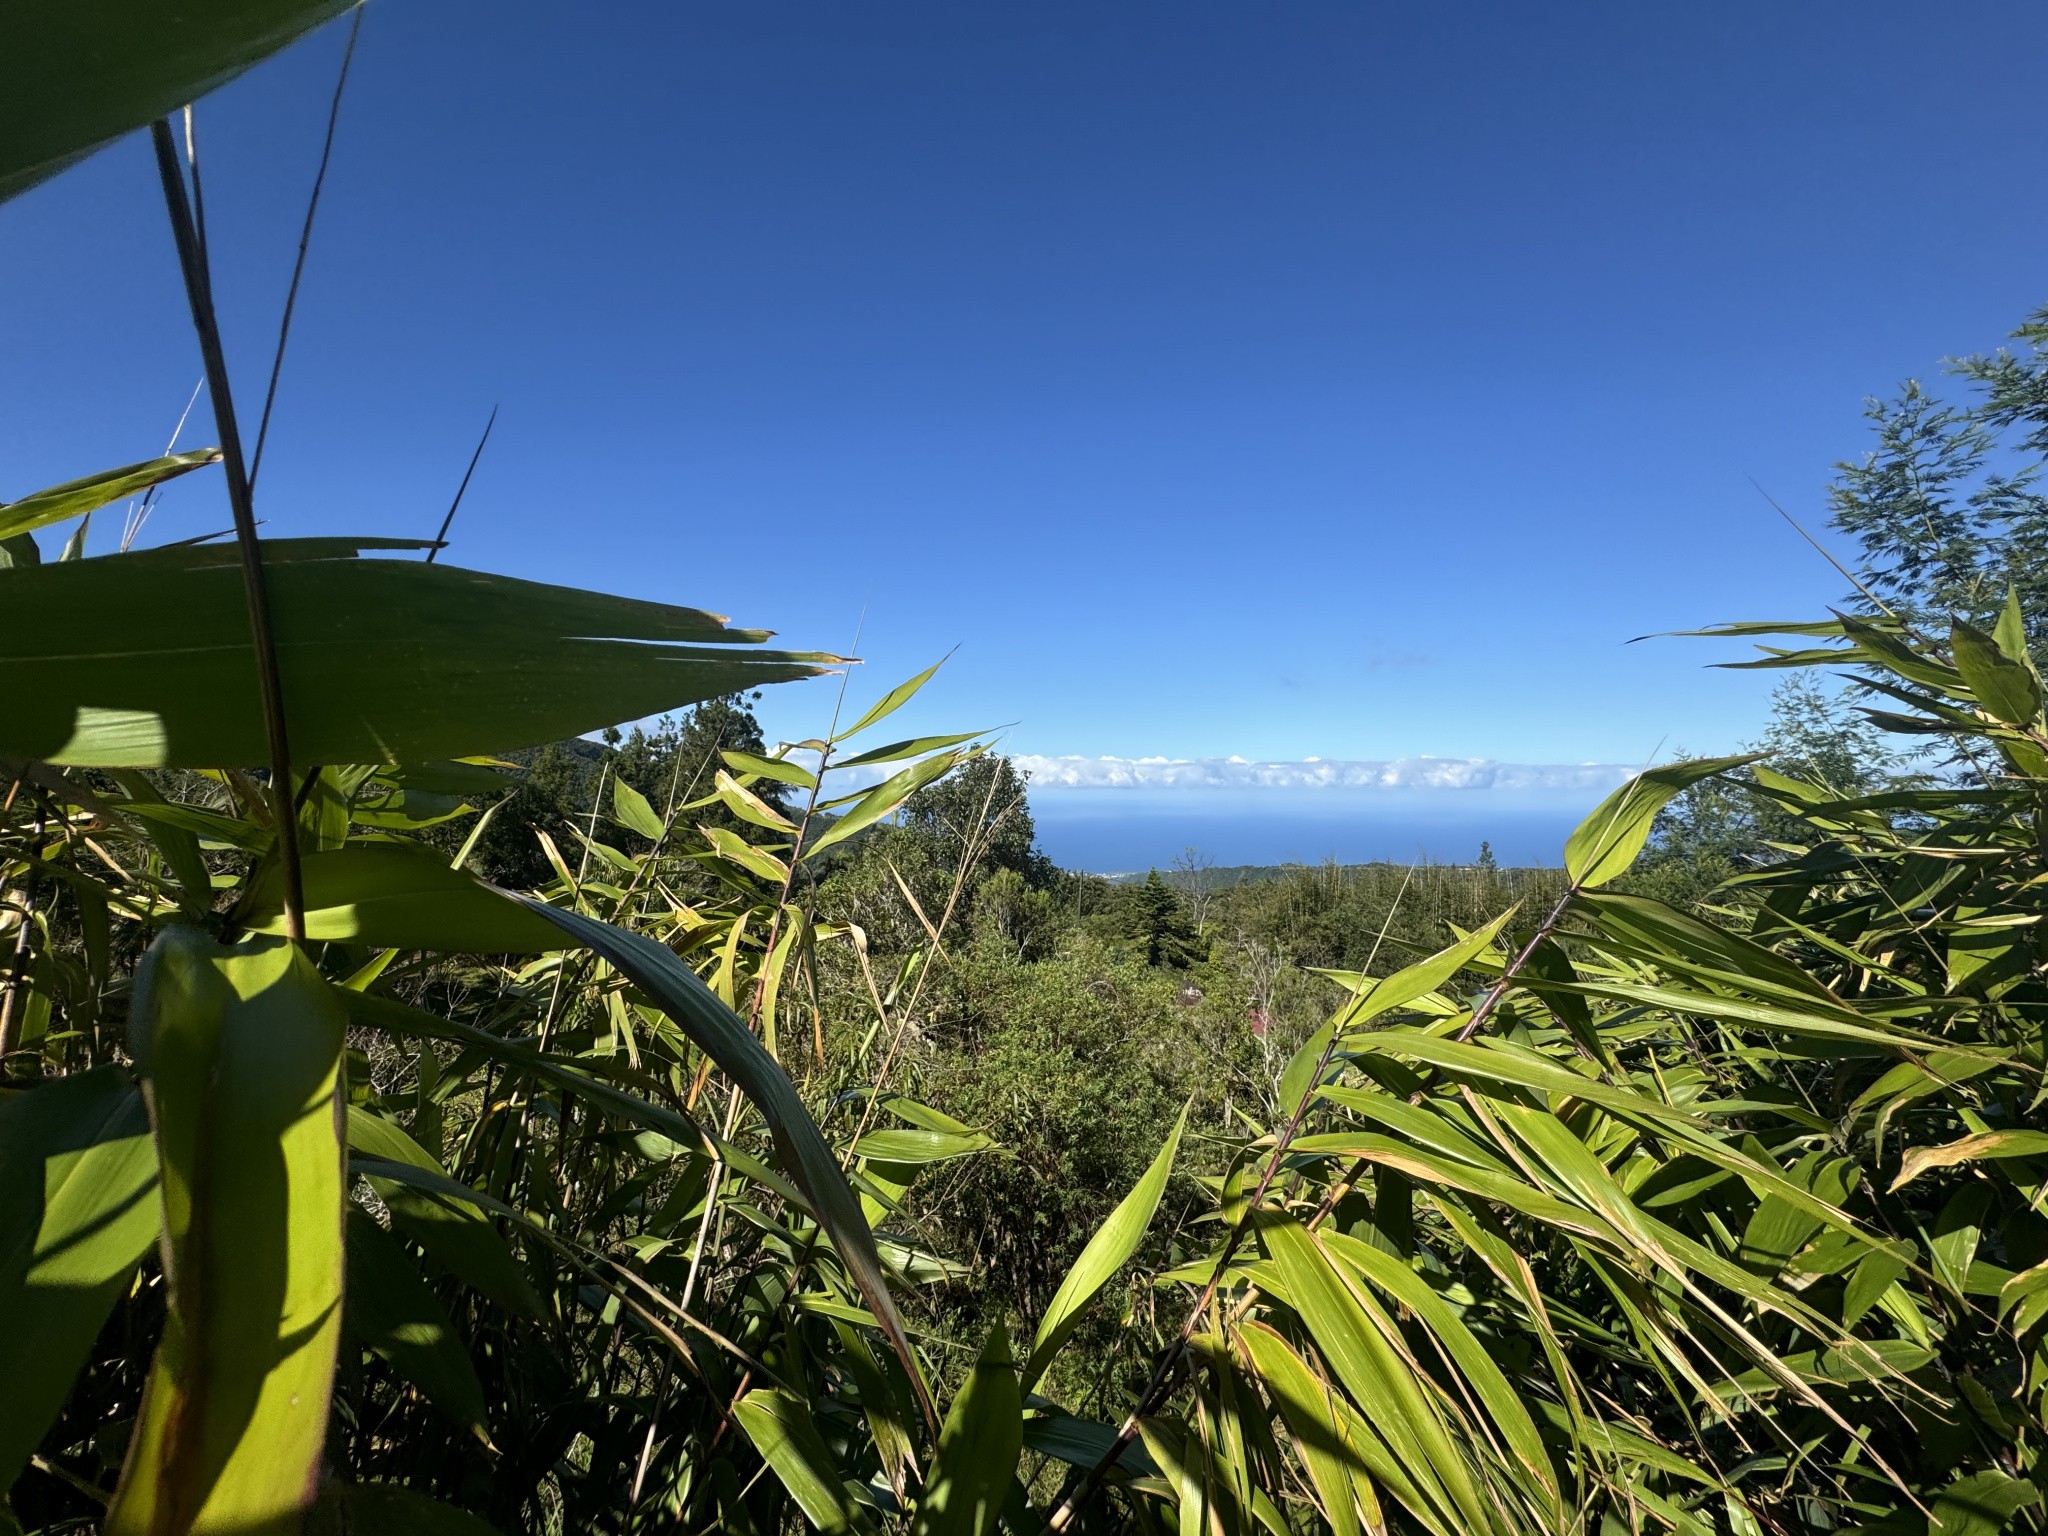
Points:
x=781, y=1430
x=777, y=768
x=78, y=1209
x=240, y=1050
x=882, y=799
x=2005, y=688
x=1107, y=1252
x=724, y=1037
x=75, y=77
x=381, y=660
x=757, y=862
x=630, y=809
x=1606, y=843
x=1356, y=1337
x=77, y=496
x=454, y=1230
x=1980, y=1504
x=890, y=702
x=750, y=807
x=897, y=751
x=894, y=1146
x=1336, y=1463
x=392, y=1310
x=178, y=845
x=978, y=1448
x=399, y=898
x=2010, y=632
x=1382, y=996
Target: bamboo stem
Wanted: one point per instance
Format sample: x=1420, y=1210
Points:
x=199, y=292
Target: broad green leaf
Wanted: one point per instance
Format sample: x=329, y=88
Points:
x=78, y=1209
x=1356, y=1337
x=239, y=1049
x=1606, y=843
x=2010, y=632
x=1980, y=1504
x=84, y=495
x=1107, y=1252
x=392, y=1310
x=889, y=702
x=782, y=1431
x=750, y=807
x=1308, y=1405
x=1080, y=1442
x=630, y=809
x=2005, y=688
x=382, y=660
x=724, y=1037
x=75, y=77
x=1382, y=996
x=978, y=1448
x=897, y=751
x=883, y=799
x=779, y=769
x=1970, y=1149
x=455, y=1231
x=894, y=1146
x=400, y=898
x=758, y=862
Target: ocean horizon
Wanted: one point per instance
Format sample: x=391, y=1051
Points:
x=1111, y=833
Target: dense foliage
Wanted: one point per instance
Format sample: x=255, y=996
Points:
x=684, y=1134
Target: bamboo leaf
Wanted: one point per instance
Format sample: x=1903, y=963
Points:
x=455, y=1231
x=73, y=78
x=779, y=769
x=1107, y=1252
x=392, y=1310
x=93, y=491
x=889, y=702
x=239, y=1050
x=920, y=1146
x=381, y=660
x=2006, y=688
x=757, y=862
x=883, y=799
x=398, y=898
x=630, y=809
x=802, y=1151
x=1970, y=1149
x=1606, y=843
x=78, y=1210
x=978, y=1448
x=781, y=1430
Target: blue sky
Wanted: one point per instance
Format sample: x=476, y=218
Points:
x=1348, y=381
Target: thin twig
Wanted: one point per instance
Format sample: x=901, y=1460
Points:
x=291, y=297
x=199, y=293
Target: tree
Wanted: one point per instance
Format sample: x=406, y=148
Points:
x=1159, y=920
x=1946, y=509
x=981, y=810
x=1191, y=876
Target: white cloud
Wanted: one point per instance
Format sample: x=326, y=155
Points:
x=1314, y=773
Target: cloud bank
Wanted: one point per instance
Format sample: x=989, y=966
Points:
x=1314, y=773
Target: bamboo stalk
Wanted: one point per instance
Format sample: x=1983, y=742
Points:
x=199, y=293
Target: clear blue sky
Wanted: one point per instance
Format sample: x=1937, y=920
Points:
x=1347, y=380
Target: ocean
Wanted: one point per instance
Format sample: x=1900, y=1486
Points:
x=1112, y=832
